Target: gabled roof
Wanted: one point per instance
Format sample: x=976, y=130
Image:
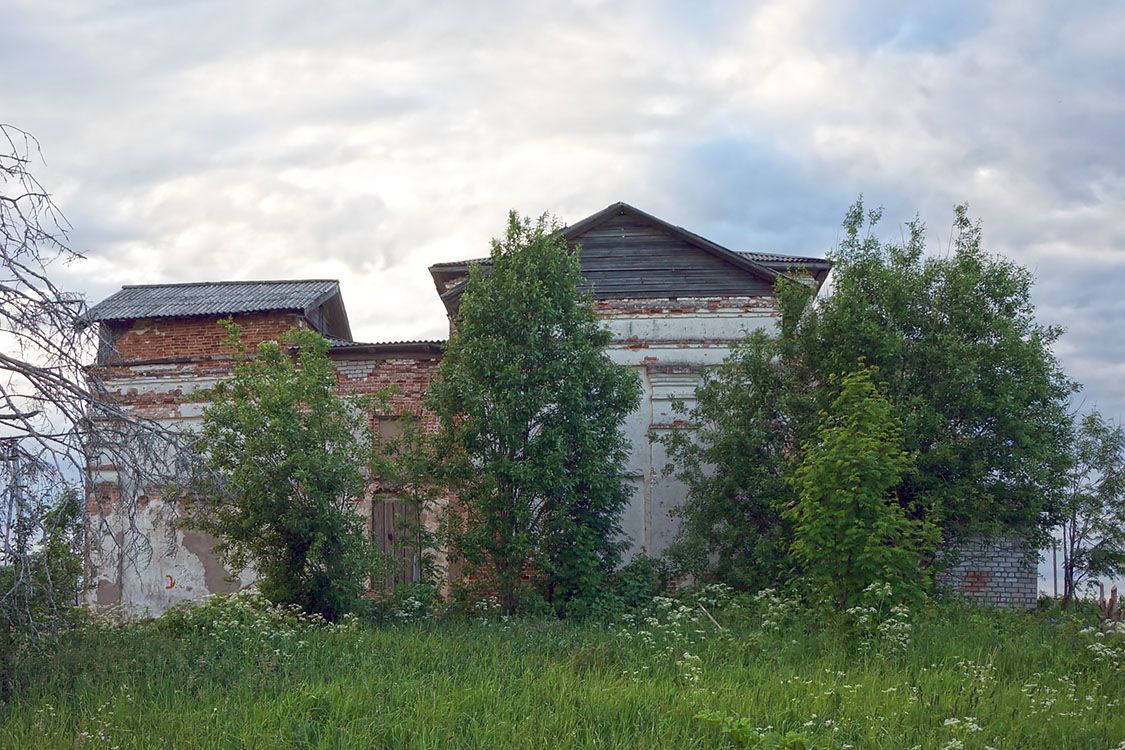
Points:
x=704, y=244
x=449, y=277
x=304, y=296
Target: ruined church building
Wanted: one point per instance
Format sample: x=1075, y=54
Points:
x=673, y=301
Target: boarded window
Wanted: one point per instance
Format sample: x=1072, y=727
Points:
x=395, y=528
x=389, y=428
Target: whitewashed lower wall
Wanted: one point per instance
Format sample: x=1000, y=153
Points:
x=145, y=565
x=668, y=342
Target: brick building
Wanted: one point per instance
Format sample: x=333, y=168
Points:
x=673, y=301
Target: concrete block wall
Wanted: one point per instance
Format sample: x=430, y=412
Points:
x=999, y=572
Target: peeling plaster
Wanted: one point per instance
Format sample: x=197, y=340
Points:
x=216, y=578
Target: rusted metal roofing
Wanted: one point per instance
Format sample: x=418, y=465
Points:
x=423, y=347
x=213, y=298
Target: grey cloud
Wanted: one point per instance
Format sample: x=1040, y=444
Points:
x=367, y=140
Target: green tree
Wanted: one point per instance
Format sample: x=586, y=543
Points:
x=530, y=408
x=285, y=456
x=1093, y=511
x=732, y=525
x=963, y=359
x=45, y=556
x=958, y=354
x=849, y=528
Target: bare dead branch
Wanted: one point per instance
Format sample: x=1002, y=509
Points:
x=59, y=425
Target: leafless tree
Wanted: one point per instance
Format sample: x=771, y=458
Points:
x=58, y=424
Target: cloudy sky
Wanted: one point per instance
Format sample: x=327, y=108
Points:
x=362, y=141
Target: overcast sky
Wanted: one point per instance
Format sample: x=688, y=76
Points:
x=363, y=141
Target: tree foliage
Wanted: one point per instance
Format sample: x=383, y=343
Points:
x=530, y=409
x=286, y=456
x=957, y=353
x=1093, y=510
x=849, y=528
x=967, y=366
x=49, y=550
x=733, y=524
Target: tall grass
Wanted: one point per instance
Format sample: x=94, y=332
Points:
x=217, y=679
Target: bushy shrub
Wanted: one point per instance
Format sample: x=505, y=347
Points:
x=408, y=602
x=743, y=732
x=476, y=599
x=284, y=454
x=242, y=614
x=850, y=529
x=631, y=587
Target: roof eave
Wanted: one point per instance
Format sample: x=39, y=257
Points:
x=341, y=312
x=387, y=349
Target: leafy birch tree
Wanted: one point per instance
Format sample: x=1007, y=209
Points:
x=849, y=528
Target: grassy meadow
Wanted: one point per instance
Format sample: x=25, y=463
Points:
x=761, y=673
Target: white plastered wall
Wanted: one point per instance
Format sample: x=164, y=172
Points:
x=667, y=350
x=138, y=557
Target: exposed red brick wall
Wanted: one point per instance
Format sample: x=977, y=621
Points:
x=683, y=306
x=194, y=337
x=158, y=390
x=162, y=364
x=406, y=378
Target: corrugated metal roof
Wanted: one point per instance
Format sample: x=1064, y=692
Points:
x=778, y=258
x=212, y=298
x=458, y=263
x=335, y=343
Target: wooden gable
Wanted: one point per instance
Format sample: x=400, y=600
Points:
x=627, y=253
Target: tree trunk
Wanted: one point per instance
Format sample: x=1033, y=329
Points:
x=1068, y=567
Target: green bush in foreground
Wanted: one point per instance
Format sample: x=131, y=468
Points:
x=284, y=454
x=849, y=529
x=704, y=669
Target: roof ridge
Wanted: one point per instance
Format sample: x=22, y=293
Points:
x=763, y=253
x=230, y=282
